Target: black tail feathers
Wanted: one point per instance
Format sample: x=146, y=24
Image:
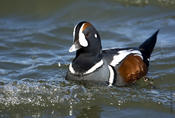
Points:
x=147, y=46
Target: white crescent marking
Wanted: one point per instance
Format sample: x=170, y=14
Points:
x=111, y=76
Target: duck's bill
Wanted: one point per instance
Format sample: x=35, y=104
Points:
x=74, y=47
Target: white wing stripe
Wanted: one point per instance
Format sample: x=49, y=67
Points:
x=122, y=54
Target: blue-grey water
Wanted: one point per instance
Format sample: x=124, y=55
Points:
x=34, y=40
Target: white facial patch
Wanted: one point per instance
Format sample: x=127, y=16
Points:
x=95, y=35
x=122, y=54
x=82, y=39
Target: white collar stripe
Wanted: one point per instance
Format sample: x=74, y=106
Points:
x=92, y=69
x=95, y=67
x=71, y=69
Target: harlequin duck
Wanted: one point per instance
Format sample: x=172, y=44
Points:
x=117, y=66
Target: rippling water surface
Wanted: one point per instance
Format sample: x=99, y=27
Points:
x=34, y=40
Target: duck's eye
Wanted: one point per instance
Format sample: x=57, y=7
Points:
x=87, y=35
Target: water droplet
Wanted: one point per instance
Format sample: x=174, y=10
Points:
x=59, y=64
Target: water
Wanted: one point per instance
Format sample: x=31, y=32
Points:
x=34, y=40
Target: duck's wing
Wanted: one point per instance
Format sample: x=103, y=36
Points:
x=115, y=55
x=127, y=64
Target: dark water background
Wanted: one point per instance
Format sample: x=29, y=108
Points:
x=35, y=37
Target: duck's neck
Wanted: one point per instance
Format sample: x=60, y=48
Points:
x=86, y=60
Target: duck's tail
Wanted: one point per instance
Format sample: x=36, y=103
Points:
x=147, y=46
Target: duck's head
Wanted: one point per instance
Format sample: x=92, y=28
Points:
x=85, y=38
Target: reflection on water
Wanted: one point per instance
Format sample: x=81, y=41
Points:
x=36, y=35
